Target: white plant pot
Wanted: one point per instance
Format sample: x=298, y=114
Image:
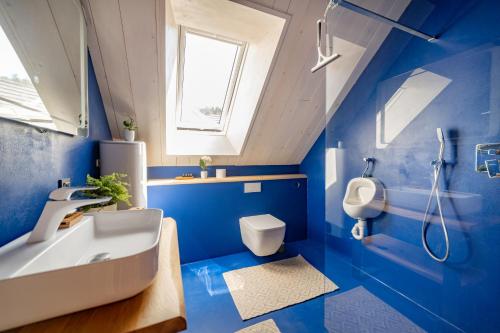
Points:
x=204, y=174
x=128, y=135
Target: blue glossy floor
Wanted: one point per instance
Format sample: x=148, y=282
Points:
x=362, y=304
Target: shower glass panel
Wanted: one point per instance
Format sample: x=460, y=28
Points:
x=387, y=280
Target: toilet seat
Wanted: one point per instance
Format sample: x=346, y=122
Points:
x=262, y=222
x=262, y=234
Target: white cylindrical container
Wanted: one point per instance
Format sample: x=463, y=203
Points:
x=129, y=158
x=220, y=173
x=128, y=135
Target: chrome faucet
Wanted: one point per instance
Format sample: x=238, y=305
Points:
x=58, y=206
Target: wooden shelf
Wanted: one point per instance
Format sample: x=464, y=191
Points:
x=212, y=180
x=159, y=308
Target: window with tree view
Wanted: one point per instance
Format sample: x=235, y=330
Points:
x=208, y=71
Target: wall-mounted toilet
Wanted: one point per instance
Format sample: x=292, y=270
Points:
x=262, y=234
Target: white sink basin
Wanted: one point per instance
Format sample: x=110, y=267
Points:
x=106, y=257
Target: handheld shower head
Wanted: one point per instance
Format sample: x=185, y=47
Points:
x=440, y=134
x=437, y=165
x=440, y=137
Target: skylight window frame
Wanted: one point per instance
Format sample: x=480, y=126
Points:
x=213, y=129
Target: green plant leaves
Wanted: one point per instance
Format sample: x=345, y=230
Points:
x=112, y=185
x=130, y=124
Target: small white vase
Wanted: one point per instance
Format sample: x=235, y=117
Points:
x=204, y=174
x=128, y=135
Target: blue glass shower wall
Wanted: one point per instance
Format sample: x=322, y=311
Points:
x=392, y=114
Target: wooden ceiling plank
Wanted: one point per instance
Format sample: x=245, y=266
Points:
x=265, y=3
x=142, y=58
x=281, y=5
x=310, y=136
x=297, y=73
x=108, y=23
x=160, y=20
x=303, y=114
x=285, y=74
x=302, y=95
x=99, y=69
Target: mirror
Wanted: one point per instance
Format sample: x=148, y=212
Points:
x=43, y=64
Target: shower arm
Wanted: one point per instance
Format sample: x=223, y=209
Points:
x=381, y=18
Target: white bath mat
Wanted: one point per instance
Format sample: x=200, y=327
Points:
x=358, y=310
x=266, y=326
x=264, y=288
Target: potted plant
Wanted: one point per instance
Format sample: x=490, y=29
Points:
x=204, y=161
x=113, y=186
x=129, y=128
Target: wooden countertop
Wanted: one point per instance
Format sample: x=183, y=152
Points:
x=159, y=308
x=211, y=180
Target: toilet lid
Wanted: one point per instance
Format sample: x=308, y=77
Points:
x=263, y=222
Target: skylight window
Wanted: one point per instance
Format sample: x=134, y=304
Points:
x=209, y=67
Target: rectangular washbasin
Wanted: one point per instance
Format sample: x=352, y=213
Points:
x=106, y=257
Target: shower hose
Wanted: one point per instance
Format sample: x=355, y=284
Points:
x=438, y=164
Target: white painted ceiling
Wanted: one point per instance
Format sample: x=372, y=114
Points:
x=127, y=44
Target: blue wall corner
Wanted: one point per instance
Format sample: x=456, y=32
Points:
x=461, y=293
x=32, y=162
x=313, y=166
x=207, y=215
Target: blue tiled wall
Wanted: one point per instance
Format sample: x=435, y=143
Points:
x=461, y=74
x=313, y=166
x=32, y=162
x=208, y=215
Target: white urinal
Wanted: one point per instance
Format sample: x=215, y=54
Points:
x=364, y=199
